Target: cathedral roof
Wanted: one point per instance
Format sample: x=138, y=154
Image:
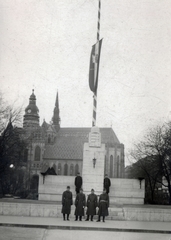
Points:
x=69, y=143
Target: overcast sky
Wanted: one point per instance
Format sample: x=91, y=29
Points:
x=46, y=45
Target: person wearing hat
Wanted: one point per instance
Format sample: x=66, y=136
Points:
x=106, y=183
x=78, y=183
x=80, y=203
x=67, y=201
x=103, y=205
x=91, y=205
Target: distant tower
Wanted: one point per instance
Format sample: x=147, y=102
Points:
x=31, y=117
x=56, y=118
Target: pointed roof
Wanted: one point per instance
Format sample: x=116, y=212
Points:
x=57, y=101
x=45, y=124
x=56, y=117
x=32, y=96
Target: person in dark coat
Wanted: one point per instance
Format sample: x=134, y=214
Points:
x=91, y=205
x=103, y=205
x=80, y=203
x=67, y=201
x=106, y=183
x=78, y=183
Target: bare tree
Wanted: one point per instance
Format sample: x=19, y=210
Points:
x=153, y=156
x=8, y=114
x=11, y=143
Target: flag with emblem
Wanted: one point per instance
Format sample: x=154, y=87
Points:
x=94, y=66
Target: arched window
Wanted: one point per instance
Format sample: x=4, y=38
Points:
x=118, y=167
x=37, y=153
x=71, y=170
x=76, y=169
x=49, y=140
x=111, y=166
x=66, y=169
x=59, y=169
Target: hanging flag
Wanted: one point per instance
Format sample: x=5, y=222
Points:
x=94, y=66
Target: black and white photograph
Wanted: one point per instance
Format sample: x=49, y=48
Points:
x=85, y=119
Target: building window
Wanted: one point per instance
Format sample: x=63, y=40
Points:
x=59, y=169
x=37, y=153
x=71, y=170
x=111, y=166
x=66, y=169
x=76, y=169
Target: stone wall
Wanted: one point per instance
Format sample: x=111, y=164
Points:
x=51, y=187
x=148, y=213
x=42, y=209
x=127, y=191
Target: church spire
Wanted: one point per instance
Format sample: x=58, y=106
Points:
x=56, y=117
x=57, y=101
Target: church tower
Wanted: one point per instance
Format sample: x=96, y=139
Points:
x=56, y=118
x=31, y=117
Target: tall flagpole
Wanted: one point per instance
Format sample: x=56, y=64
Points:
x=95, y=92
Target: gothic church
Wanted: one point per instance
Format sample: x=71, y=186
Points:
x=56, y=150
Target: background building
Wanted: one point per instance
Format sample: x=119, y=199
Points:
x=56, y=150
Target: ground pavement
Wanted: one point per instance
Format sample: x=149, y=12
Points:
x=109, y=225
x=29, y=228
x=18, y=233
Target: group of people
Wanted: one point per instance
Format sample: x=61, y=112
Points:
x=93, y=205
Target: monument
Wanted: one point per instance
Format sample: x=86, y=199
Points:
x=123, y=191
x=93, y=162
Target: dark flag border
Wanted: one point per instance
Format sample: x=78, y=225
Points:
x=94, y=66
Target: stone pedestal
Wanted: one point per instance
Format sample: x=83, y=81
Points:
x=93, y=163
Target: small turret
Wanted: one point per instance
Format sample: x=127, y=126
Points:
x=31, y=117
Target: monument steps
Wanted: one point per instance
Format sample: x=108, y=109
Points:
x=122, y=191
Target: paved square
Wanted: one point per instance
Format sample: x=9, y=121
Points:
x=19, y=233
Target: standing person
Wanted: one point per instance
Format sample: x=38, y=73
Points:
x=67, y=201
x=106, y=183
x=80, y=203
x=91, y=205
x=103, y=205
x=78, y=183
